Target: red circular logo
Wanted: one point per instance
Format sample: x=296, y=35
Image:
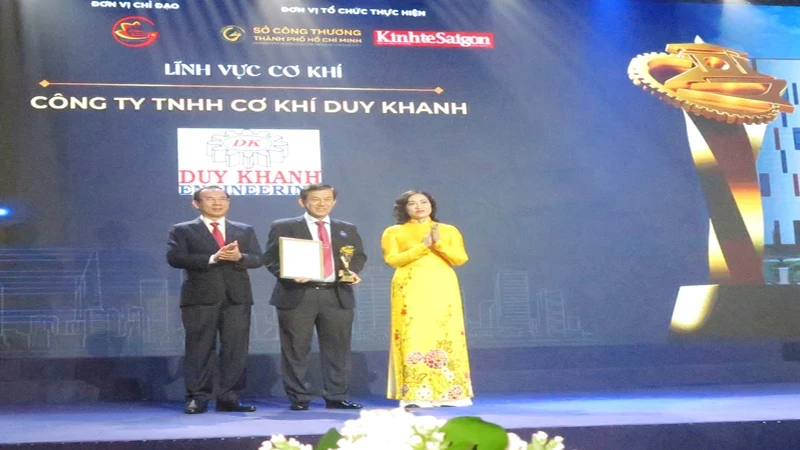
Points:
x=134, y=31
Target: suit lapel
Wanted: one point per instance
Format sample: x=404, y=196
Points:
x=339, y=237
x=301, y=229
x=201, y=230
x=335, y=237
x=336, y=243
x=232, y=232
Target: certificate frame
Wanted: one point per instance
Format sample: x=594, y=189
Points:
x=301, y=258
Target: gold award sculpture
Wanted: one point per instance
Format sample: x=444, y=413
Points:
x=346, y=254
x=726, y=105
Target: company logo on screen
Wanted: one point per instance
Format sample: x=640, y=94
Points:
x=461, y=39
x=134, y=31
x=248, y=161
x=265, y=34
x=232, y=33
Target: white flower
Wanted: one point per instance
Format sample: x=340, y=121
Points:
x=433, y=446
x=397, y=429
x=293, y=443
x=279, y=442
x=516, y=443
x=540, y=436
x=390, y=430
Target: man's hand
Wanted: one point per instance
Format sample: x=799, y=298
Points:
x=229, y=252
x=355, y=275
x=302, y=280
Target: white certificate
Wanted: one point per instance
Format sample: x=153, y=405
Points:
x=301, y=258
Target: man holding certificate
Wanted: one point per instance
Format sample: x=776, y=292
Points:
x=316, y=261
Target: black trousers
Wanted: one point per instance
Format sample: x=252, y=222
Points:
x=203, y=324
x=319, y=309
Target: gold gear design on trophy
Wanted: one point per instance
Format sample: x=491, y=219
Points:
x=710, y=81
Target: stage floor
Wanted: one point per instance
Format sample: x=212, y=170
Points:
x=99, y=422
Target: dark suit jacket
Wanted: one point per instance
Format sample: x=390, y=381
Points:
x=289, y=293
x=190, y=247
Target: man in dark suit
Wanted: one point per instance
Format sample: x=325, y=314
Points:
x=216, y=299
x=327, y=305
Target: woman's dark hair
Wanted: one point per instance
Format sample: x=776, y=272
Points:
x=400, y=212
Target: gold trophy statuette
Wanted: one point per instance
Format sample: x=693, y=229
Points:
x=727, y=105
x=346, y=254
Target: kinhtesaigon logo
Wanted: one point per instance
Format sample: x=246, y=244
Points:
x=232, y=33
x=405, y=38
x=134, y=31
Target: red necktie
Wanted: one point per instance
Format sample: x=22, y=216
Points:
x=217, y=235
x=327, y=253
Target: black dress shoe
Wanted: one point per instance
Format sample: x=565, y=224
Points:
x=195, y=407
x=299, y=406
x=341, y=404
x=234, y=407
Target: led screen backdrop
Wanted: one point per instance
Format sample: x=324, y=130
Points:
x=576, y=193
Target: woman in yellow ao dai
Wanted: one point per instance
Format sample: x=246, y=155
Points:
x=428, y=361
